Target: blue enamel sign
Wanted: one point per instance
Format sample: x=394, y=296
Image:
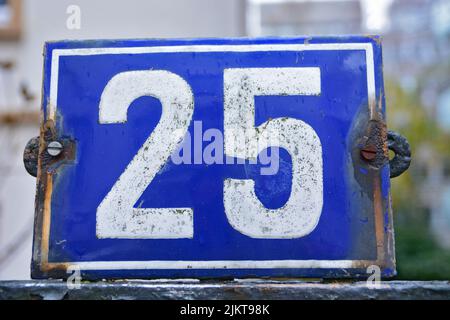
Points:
x=213, y=158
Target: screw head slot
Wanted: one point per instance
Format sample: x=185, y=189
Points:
x=54, y=148
x=369, y=153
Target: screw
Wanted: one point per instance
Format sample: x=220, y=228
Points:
x=369, y=153
x=54, y=148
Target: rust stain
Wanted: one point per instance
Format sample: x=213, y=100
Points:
x=363, y=264
x=377, y=132
x=378, y=208
x=380, y=106
x=379, y=230
x=375, y=139
x=375, y=143
x=390, y=246
x=45, y=183
x=375, y=38
x=46, y=217
x=45, y=265
x=51, y=110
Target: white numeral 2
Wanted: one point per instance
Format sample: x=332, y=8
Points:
x=116, y=215
x=301, y=213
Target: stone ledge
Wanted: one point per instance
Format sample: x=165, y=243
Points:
x=237, y=289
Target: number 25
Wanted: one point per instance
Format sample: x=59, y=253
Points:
x=118, y=218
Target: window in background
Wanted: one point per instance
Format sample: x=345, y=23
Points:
x=10, y=19
x=302, y=17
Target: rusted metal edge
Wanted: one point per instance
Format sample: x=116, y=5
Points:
x=229, y=290
x=47, y=166
x=371, y=148
x=384, y=223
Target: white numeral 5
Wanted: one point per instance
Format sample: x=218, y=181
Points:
x=301, y=213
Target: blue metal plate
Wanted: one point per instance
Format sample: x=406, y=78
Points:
x=115, y=205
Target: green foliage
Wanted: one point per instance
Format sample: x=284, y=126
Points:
x=418, y=255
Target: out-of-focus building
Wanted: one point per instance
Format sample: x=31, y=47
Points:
x=409, y=41
x=21, y=81
x=416, y=53
x=416, y=50
x=416, y=43
x=293, y=17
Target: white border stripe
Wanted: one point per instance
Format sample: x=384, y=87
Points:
x=223, y=264
x=56, y=53
x=213, y=264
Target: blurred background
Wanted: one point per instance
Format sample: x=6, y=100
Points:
x=416, y=53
